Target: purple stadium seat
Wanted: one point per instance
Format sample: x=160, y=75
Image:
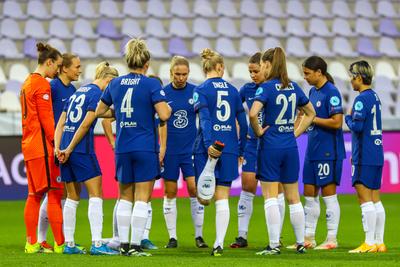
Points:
x=30, y=48
x=58, y=28
x=386, y=9
x=34, y=28
x=106, y=48
x=133, y=8
x=227, y=8
x=296, y=9
x=273, y=27
x=109, y=8
x=341, y=9
x=12, y=9
x=178, y=27
x=156, y=8
x=342, y=27
x=38, y=10
x=318, y=9
x=202, y=27
x=271, y=42
x=180, y=9
x=296, y=27
x=177, y=46
x=60, y=8
x=199, y=43
x=318, y=27
x=249, y=8
x=295, y=47
x=273, y=8
x=226, y=27
x=9, y=50
x=82, y=48
x=155, y=27
x=364, y=9
x=58, y=44
x=203, y=8
x=319, y=47
x=83, y=28
x=382, y=82
x=342, y=47
x=84, y=8
x=388, y=47
x=106, y=28
x=248, y=46
x=131, y=28
x=388, y=27
x=385, y=69
x=250, y=28
x=364, y=27
x=124, y=41
x=18, y=72
x=10, y=29
x=13, y=86
x=156, y=48
x=366, y=48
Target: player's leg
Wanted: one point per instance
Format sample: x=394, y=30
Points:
x=171, y=176
x=222, y=215
x=43, y=223
x=380, y=221
x=146, y=242
x=282, y=205
x=197, y=212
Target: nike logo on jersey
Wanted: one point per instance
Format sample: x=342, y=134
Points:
x=169, y=102
x=324, y=177
x=250, y=98
x=63, y=99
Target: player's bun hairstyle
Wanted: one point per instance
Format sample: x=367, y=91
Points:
x=176, y=61
x=316, y=63
x=363, y=69
x=157, y=78
x=255, y=59
x=210, y=59
x=276, y=56
x=67, y=60
x=104, y=70
x=136, y=53
x=45, y=52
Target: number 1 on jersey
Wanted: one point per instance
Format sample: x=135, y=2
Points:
x=126, y=106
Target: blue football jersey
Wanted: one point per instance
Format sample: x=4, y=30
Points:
x=83, y=100
x=367, y=146
x=280, y=107
x=181, y=126
x=224, y=104
x=247, y=94
x=134, y=96
x=60, y=93
x=325, y=143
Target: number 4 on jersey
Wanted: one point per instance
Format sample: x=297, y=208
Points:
x=126, y=106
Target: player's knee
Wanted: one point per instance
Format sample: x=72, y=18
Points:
x=249, y=188
x=170, y=193
x=192, y=191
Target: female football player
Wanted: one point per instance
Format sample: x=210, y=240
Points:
x=219, y=106
x=325, y=153
x=136, y=99
x=74, y=143
x=365, y=122
x=278, y=158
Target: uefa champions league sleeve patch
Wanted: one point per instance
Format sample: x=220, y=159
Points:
x=259, y=91
x=335, y=101
x=195, y=97
x=358, y=106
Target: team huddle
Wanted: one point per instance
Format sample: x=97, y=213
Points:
x=162, y=131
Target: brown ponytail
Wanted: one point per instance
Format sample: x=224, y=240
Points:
x=276, y=56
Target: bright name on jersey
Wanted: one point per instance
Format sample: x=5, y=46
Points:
x=127, y=81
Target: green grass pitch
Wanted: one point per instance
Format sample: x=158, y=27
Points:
x=12, y=239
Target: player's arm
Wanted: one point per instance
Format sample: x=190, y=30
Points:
x=355, y=125
x=163, y=110
x=58, y=132
x=162, y=133
x=45, y=111
x=334, y=122
x=104, y=111
x=107, y=128
x=253, y=115
x=299, y=116
x=306, y=120
x=79, y=134
x=243, y=129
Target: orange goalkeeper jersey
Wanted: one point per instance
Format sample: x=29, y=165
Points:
x=37, y=118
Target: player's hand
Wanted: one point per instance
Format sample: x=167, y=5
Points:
x=64, y=155
x=261, y=131
x=241, y=160
x=212, y=152
x=161, y=156
x=113, y=145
